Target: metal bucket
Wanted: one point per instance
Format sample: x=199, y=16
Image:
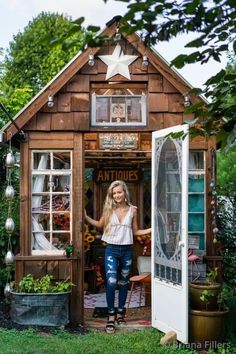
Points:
x=48, y=309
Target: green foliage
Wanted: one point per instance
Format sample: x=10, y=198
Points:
x=29, y=284
x=225, y=297
x=211, y=276
x=34, y=57
x=226, y=217
x=13, y=100
x=226, y=214
x=30, y=53
x=205, y=297
x=226, y=171
x=214, y=25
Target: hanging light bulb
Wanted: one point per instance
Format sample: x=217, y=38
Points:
x=7, y=290
x=10, y=159
x=212, y=184
x=9, y=225
x=9, y=258
x=187, y=101
x=145, y=60
x=9, y=193
x=91, y=61
x=50, y=101
x=214, y=240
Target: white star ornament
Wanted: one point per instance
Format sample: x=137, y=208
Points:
x=118, y=63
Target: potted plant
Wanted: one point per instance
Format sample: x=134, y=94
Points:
x=206, y=325
x=203, y=294
x=41, y=301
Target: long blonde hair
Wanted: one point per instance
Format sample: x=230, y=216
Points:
x=109, y=204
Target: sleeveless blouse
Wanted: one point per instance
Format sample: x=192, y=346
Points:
x=120, y=233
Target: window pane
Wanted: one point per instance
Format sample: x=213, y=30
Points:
x=134, y=109
x=41, y=222
x=196, y=183
x=196, y=202
x=196, y=160
x=61, y=202
x=61, y=161
x=40, y=203
x=102, y=109
x=60, y=183
x=61, y=221
x=118, y=112
x=41, y=161
x=41, y=241
x=40, y=183
x=174, y=202
x=196, y=222
x=173, y=184
x=60, y=241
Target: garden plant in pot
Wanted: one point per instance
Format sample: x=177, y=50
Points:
x=41, y=301
x=204, y=293
x=208, y=311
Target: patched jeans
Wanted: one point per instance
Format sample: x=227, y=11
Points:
x=117, y=257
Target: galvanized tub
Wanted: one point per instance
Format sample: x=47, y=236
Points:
x=44, y=309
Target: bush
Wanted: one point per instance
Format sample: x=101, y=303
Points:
x=226, y=217
x=42, y=285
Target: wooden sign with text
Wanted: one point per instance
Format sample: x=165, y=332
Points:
x=101, y=176
x=118, y=140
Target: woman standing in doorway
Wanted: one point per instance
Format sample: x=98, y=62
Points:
x=119, y=224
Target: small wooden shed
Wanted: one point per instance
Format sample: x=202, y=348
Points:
x=90, y=125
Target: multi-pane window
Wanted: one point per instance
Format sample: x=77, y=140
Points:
x=119, y=107
x=196, y=200
x=51, y=187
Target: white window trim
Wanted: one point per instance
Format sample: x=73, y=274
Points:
x=131, y=124
x=200, y=172
x=52, y=172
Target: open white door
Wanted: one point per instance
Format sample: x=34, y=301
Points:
x=169, y=231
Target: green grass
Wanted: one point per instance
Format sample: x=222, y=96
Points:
x=61, y=342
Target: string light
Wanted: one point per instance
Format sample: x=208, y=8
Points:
x=215, y=230
x=91, y=61
x=145, y=60
x=50, y=101
x=9, y=225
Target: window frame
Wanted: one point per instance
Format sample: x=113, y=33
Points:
x=143, y=111
x=52, y=172
x=198, y=172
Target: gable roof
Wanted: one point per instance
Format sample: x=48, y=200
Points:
x=79, y=60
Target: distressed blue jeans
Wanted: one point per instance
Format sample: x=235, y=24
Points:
x=117, y=257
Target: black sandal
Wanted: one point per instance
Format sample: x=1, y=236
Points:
x=110, y=327
x=120, y=319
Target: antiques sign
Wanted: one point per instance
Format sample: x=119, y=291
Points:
x=118, y=140
x=113, y=175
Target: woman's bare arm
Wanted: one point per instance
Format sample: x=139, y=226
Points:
x=97, y=223
x=136, y=230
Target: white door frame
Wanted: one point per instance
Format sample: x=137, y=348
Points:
x=170, y=299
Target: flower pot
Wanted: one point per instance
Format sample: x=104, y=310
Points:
x=47, y=309
x=206, y=327
x=195, y=291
